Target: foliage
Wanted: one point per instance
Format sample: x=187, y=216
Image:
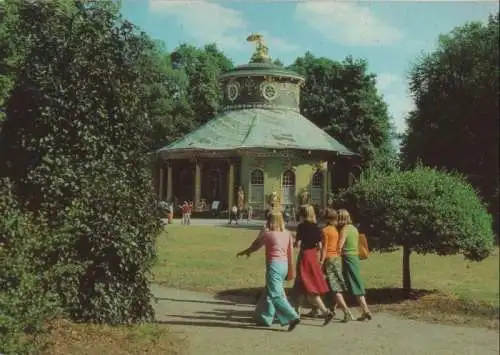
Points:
x=455, y=123
x=74, y=142
x=25, y=302
x=423, y=210
x=201, y=68
x=342, y=99
x=186, y=90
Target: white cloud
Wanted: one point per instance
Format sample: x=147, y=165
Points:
x=277, y=44
x=209, y=22
x=399, y=106
x=347, y=23
x=396, y=95
x=205, y=21
x=386, y=80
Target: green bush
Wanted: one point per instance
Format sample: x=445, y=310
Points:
x=424, y=211
x=25, y=300
x=75, y=143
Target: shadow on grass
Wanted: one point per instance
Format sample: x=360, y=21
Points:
x=255, y=227
x=375, y=296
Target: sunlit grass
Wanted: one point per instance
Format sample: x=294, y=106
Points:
x=203, y=258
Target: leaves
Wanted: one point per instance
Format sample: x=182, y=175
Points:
x=455, y=124
x=342, y=99
x=425, y=209
x=74, y=143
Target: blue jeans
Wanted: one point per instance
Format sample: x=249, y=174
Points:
x=275, y=302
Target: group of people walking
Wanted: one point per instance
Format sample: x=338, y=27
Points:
x=327, y=263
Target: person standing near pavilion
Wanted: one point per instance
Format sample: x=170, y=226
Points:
x=241, y=203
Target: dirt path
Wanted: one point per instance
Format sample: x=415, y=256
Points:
x=221, y=327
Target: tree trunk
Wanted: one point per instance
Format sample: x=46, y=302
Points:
x=406, y=270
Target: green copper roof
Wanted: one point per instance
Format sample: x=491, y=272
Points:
x=258, y=128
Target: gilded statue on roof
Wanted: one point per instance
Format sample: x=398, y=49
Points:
x=261, y=53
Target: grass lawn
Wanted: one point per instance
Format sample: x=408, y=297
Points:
x=203, y=258
x=84, y=339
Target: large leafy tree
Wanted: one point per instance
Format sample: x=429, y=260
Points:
x=188, y=76
x=74, y=142
x=455, y=123
x=201, y=68
x=342, y=99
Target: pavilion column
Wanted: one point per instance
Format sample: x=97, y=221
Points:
x=169, y=182
x=197, y=184
x=325, y=186
x=230, y=186
x=160, y=184
x=350, y=178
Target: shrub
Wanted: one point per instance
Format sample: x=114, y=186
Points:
x=424, y=211
x=25, y=302
x=75, y=142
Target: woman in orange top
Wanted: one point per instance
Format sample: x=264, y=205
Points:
x=332, y=261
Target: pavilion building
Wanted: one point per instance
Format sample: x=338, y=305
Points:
x=259, y=146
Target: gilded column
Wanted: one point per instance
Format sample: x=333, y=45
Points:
x=197, y=184
x=169, y=182
x=230, y=186
x=160, y=184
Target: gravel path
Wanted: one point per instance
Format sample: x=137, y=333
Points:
x=215, y=327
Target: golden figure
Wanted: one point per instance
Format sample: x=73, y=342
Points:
x=261, y=53
x=275, y=199
x=304, y=198
x=241, y=198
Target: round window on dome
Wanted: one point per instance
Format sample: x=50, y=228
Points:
x=233, y=90
x=269, y=91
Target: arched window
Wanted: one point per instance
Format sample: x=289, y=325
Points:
x=257, y=177
x=316, y=188
x=288, y=188
x=256, y=199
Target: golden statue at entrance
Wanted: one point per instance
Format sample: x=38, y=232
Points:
x=261, y=53
x=241, y=198
x=304, y=198
x=274, y=198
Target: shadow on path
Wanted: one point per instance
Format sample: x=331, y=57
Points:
x=221, y=303
x=375, y=296
x=216, y=324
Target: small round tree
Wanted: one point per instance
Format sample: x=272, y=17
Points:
x=424, y=211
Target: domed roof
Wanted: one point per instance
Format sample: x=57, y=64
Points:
x=260, y=110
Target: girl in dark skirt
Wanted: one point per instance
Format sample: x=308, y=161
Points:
x=310, y=281
x=349, y=240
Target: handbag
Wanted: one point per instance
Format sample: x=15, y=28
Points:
x=363, y=250
x=291, y=269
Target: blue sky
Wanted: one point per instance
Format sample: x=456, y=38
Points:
x=389, y=35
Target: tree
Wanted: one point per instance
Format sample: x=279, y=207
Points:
x=201, y=68
x=455, y=123
x=342, y=99
x=424, y=211
x=75, y=143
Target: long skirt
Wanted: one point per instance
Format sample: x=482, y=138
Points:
x=274, y=302
x=310, y=278
x=352, y=276
x=333, y=274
